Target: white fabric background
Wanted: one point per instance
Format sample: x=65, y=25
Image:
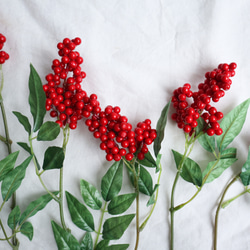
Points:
x=136, y=53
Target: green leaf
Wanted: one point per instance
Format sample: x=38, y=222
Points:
x=158, y=163
x=80, y=215
x=151, y=200
x=117, y=247
x=245, y=171
x=102, y=244
x=14, y=217
x=148, y=161
x=7, y=164
x=35, y=206
x=26, y=147
x=229, y=153
x=112, y=181
x=160, y=127
x=24, y=121
x=64, y=239
x=207, y=142
x=200, y=127
x=53, y=158
x=90, y=195
x=232, y=124
x=14, y=179
x=87, y=242
x=27, y=230
x=121, y=203
x=145, y=182
x=215, y=168
x=190, y=170
x=37, y=98
x=48, y=131
x=114, y=228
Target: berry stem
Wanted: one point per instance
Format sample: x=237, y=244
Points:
x=6, y=237
x=40, y=173
x=156, y=198
x=8, y=144
x=100, y=224
x=65, y=141
x=226, y=203
x=137, y=191
x=188, y=148
x=218, y=210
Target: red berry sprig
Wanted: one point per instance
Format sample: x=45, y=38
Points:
x=65, y=97
x=69, y=103
x=117, y=137
x=216, y=83
x=3, y=55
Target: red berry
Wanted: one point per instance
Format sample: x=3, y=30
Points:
x=73, y=125
x=109, y=157
x=219, y=115
x=219, y=131
x=210, y=132
x=187, y=128
x=129, y=156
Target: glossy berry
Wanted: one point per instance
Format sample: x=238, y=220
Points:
x=212, y=89
x=65, y=97
x=3, y=55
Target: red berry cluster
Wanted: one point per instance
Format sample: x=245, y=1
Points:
x=69, y=103
x=117, y=137
x=213, y=88
x=65, y=97
x=3, y=55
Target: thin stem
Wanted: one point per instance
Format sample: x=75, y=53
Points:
x=137, y=222
x=188, y=148
x=61, y=199
x=131, y=167
x=172, y=211
x=199, y=188
x=7, y=136
x=100, y=224
x=65, y=141
x=5, y=234
x=8, y=143
x=153, y=207
x=185, y=203
x=37, y=171
x=226, y=203
x=136, y=185
x=218, y=210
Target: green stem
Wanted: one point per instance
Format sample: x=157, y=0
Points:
x=131, y=167
x=203, y=182
x=37, y=171
x=65, y=141
x=185, y=203
x=226, y=203
x=5, y=234
x=8, y=143
x=100, y=224
x=218, y=210
x=153, y=207
x=188, y=148
x=61, y=200
x=136, y=184
x=172, y=211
